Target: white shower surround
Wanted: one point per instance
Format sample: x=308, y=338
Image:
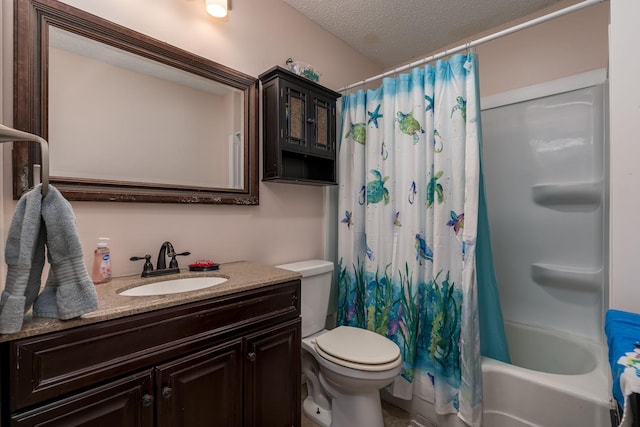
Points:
x=544, y=153
x=536, y=390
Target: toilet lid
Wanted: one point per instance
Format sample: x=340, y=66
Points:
x=359, y=366
x=358, y=346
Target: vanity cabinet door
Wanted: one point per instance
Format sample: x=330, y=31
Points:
x=272, y=377
x=127, y=402
x=202, y=389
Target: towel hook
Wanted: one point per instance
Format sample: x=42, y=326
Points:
x=8, y=134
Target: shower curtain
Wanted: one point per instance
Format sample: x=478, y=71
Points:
x=409, y=166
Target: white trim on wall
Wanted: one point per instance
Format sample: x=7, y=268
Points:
x=6, y=56
x=624, y=116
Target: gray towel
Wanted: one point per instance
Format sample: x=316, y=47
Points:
x=24, y=255
x=68, y=292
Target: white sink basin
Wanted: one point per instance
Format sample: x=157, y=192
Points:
x=174, y=286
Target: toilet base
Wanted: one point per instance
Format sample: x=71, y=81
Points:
x=357, y=410
x=318, y=415
x=348, y=411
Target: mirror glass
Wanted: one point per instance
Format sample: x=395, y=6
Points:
x=133, y=119
x=129, y=118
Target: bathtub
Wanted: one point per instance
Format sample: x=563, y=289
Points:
x=555, y=379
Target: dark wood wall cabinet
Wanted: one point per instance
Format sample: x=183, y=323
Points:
x=299, y=129
x=228, y=361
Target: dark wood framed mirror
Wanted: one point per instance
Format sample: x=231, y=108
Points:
x=129, y=118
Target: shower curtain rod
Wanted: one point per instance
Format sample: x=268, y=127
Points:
x=477, y=42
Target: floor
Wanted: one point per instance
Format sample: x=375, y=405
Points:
x=393, y=416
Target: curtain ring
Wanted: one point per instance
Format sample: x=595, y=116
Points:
x=469, y=48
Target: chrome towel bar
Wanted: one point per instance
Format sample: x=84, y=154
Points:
x=8, y=134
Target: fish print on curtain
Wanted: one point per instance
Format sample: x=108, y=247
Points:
x=408, y=203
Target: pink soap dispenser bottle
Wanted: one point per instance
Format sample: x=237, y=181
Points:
x=101, y=262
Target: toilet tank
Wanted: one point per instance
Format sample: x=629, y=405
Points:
x=316, y=289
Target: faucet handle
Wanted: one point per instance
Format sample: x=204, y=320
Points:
x=147, y=263
x=174, y=262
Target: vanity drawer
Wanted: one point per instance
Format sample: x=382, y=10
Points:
x=53, y=365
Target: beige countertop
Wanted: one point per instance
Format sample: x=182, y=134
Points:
x=240, y=276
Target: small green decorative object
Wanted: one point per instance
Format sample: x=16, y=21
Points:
x=302, y=69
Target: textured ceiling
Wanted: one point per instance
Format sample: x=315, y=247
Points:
x=392, y=32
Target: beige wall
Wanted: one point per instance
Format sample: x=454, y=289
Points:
x=289, y=223
x=258, y=34
x=561, y=47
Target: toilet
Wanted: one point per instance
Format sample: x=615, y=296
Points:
x=345, y=367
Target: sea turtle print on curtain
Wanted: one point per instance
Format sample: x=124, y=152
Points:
x=408, y=198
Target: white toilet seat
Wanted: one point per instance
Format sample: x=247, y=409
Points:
x=358, y=366
x=358, y=349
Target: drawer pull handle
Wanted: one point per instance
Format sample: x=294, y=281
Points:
x=166, y=392
x=147, y=400
x=251, y=356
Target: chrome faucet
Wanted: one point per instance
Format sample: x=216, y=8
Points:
x=166, y=250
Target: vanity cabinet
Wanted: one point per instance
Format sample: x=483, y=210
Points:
x=119, y=403
x=228, y=361
x=299, y=129
x=201, y=389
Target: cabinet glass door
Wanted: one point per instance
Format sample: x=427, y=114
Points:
x=296, y=116
x=323, y=130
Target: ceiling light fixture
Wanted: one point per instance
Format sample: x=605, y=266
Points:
x=217, y=8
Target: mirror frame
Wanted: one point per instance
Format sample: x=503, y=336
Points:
x=32, y=19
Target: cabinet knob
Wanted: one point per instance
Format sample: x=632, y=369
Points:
x=310, y=121
x=251, y=356
x=147, y=400
x=166, y=392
